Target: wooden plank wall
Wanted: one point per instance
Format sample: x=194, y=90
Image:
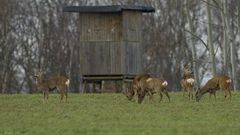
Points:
x=100, y=43
x=100, y=58
x=100, y=27
x=132, y=37
x=111, y=43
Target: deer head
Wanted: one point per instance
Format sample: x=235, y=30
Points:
x=129, y=93
x=198, y=95
x=141, y=96
x=38, y=76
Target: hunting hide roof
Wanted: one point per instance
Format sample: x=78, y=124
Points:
x=107, y=9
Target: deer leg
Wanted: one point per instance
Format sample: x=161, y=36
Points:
x=44, y=96
x=160, y=94
x=66, y=92
x=230, y=95
x=141, y=97
x=135, y=96
x=150, y=96
x=61, y=90
x=47, y=93
x=210, y=95
x=62, y=94
x=225, y=94
x=166, y=93
x=214, y=94
x=183, y=90
x=192, y=95
x=189, y=93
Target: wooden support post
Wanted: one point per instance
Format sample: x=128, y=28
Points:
x=102, y=86
x=123, y=86
x=84, y=86
x=94, y=87
x=96, y=82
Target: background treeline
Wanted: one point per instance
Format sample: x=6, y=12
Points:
x=36, y=34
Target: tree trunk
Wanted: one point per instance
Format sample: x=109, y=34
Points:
x=192, y=42
x=232, y=45
x=210, y=42
x=225, y=44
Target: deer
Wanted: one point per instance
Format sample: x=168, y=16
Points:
x=187, y=73
x=188, y=85
x=60, y=83
x=187, y=82
x=135, y=86
x=151, y=86
x=218, y=82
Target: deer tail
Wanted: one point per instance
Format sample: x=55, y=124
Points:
x=229, y=81
x=165, y=83
x=190, y=80
x=67, y=82
x=149, y=79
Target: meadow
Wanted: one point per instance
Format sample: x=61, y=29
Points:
x=113, y=114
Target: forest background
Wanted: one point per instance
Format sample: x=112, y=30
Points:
x=37, y=34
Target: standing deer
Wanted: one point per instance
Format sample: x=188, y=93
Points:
x=222, y=82
x=187, y=85
x=151, y=86
x=60, y=83
x=187, y=82
x=135, y=86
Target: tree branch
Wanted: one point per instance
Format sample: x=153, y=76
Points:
x=194, y=35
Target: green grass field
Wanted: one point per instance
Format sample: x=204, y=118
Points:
x=113, y=114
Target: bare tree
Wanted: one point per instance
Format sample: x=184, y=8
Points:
x=193, y=43
x=210, y=42
x=229, y=40
x=38, y=35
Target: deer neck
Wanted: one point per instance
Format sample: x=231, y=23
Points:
x=204, y=90
x=39, y=80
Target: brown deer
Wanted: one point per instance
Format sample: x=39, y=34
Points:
x=135, y=86
x=151, y=86
x=187, y=86
x=60, y=83
x=187, y=82
x=222, y=82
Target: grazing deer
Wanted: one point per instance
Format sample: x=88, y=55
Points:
x=135, y=87
x=151, y=86
x=58, y=82
x=222, y=82
x=187, y=85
